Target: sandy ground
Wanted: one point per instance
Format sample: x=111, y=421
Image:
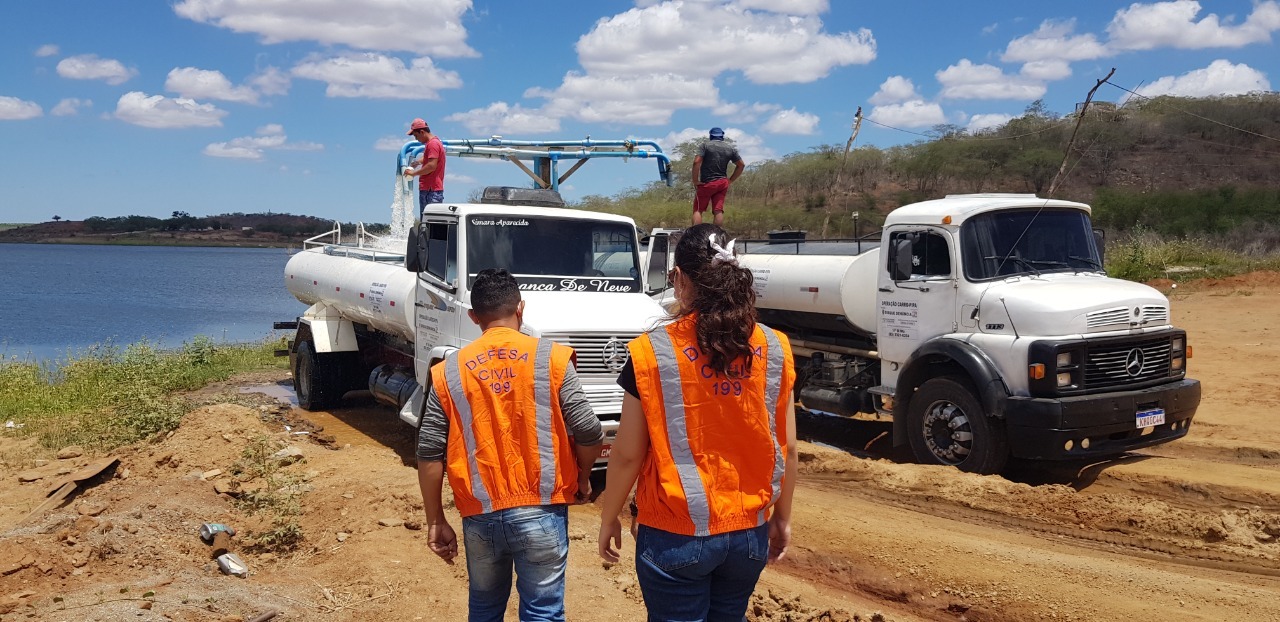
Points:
x=1185, y=531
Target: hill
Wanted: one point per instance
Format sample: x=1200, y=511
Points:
x=1178, y=166
x=181, y=229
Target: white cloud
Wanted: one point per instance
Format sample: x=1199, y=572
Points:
x=1173, y=24
x=915, y=113
x=390, y=143
x=979, y=122
x=751, y=147
x=270, y=81
x=458, y=178
x=792, y=122
x=1054, y=41
x=14, y=109
x=90, y=67
x=270, y=136
x=195, y=83
x=433, y=27
x=990, y=28
x=1046, y=70
x=1219, y=78
x=699, y=39
x=47, y=49
x=965, y=80
x=376, y=76
x=893, y=90
x=743, y=112
x=500, y=118
x=642, y=100
x=158, y=111
x=70, y=107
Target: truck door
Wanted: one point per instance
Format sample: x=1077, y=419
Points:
x=436, y=303
x=916, y=294
x=658, y=259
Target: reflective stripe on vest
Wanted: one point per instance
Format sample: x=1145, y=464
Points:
x=542, y=417
x=773, y=393
x=453, y=380
x=695, y=493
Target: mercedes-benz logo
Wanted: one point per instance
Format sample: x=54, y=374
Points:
x=1134, y=363
x=614, y=355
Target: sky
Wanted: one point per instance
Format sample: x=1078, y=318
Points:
x=118, y=107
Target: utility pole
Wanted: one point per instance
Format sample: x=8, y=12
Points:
x=1053, y=186
x=857, y=125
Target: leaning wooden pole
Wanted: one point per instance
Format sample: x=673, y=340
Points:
x=1053, y=186
x=857, y=125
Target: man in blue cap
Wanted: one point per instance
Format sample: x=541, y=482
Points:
x=710, y=175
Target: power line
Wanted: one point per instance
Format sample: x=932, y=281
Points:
x=1189, y=113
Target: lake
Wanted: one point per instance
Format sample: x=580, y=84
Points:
x=60, y=298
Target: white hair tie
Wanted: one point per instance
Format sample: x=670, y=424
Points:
x=724, y=254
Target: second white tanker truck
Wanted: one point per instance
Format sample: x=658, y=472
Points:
x=984, y=327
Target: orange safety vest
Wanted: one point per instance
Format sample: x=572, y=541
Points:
x=508, y=443
x=717, y=445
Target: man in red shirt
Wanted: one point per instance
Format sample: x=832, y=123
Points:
x=431, y=173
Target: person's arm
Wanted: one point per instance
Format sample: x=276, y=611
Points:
x=582, y=422
x=433, y=434
x=738, y=165
x=780, y=522
x=629, y=449
x=428, y=167
x=697, y=170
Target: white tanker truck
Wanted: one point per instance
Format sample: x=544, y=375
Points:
x=984, y=327
x=380, y=317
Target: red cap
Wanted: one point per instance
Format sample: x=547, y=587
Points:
x=418, y=124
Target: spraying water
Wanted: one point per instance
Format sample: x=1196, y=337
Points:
x=403, y=213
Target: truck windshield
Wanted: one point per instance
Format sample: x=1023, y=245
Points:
x=1013, y=242
x=555, y=254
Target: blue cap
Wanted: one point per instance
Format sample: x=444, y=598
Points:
x=717, y=133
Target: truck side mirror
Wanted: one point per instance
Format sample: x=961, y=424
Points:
x=1100, y=241
x=415, y=252
x=900, y=260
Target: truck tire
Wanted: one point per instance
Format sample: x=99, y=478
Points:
x=317, y=382
x=946, y=425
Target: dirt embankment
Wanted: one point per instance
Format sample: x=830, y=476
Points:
x=1184, y=531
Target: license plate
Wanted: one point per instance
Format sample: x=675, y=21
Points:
x=1148, y=418
x=609, y=448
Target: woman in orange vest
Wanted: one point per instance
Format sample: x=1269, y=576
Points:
x=708, y=428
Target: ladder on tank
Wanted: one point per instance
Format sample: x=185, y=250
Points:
x=545, y=155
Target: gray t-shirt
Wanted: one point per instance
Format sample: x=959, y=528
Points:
x=582, y=422
x=716, y=156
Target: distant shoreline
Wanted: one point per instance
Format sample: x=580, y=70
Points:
x=84, y=240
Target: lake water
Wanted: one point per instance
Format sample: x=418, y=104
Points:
x=60, y=298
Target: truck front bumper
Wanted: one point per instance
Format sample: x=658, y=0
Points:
x=1040, y=428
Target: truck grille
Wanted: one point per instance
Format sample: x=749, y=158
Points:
x=1120, y=316
x=1107, y=317
x=598, y=353
x=1131, y=363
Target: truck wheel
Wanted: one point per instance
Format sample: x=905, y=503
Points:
x=317, y=384
x=946, y=425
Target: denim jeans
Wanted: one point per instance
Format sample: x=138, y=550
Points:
x=686, y=578
x=536, y=540
x=429, y=196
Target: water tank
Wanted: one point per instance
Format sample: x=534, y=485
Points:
x=804, y=290
x=371, y=288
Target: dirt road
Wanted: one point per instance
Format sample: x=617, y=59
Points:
x=1186, y=531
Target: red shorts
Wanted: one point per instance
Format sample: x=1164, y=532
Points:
x=711, y=193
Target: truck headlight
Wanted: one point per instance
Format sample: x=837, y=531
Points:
x=1065, y=359
x=1064, y=379
x=1177, y=363
x=1179, y=344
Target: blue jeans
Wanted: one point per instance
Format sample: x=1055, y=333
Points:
x=686, y=578
x=429, y=196
x=536, y=540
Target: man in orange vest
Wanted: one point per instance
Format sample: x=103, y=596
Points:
x=506, y=418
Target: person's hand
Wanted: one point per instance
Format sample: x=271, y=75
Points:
x=443, y=541
x=610, y=539
x=584, y=488
x=779, y=538
x=408, y=172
